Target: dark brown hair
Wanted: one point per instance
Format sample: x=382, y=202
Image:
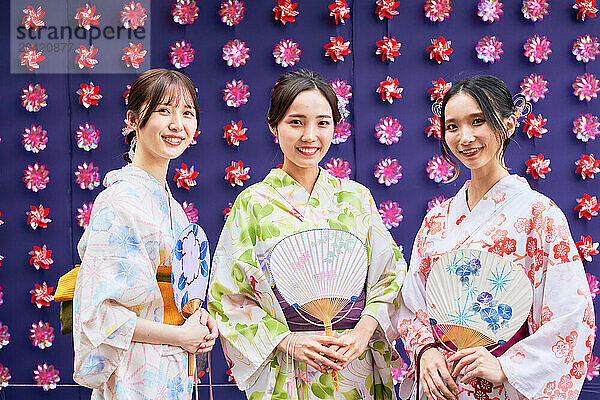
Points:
x=291, y=85
x=154, y=87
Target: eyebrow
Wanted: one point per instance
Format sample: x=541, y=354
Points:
x=304, y=116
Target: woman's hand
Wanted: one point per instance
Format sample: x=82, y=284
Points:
x=356, y=340
x=314, y=350
x=209, y=340
x=435, y=376
x=477, y=362
x=194, y=332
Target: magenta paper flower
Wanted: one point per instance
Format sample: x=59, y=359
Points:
x=85, y=58
x=133, y=15
x=587, y=166
x=42, y=335
x=190, y=212
x=391, y=214
x=236, y=174
x=437, y=10
x=234, y=133
x=33, y=18
x=46, y=376
x=593, y=283
x=4, y=335
x=339, y=10
x=587, y=248
x=232, y=12
x=435, y=201
x=181, y=54
x=31, y=58
x=4, y=376
x=185, y=177
x=537, y=166
x=440, y=49
x=342, y=132
x=86, y=17
x=89, y=95
x=133, y=55
x=343, y=92
x=587, y=206
x=338, y=167
x=1, y=295
x=34, y=98
x=87, y=137
x=586, y=48
x=593, y=368
x=537, y=48
x=185, y=12
x=439, y=89
x=489, y=49
x=41, y=257
x=586, y=87
x=83, y=214
x=36, y=178
x=388, y=171
x=388, y=48
x=439, y=170
x=38, y=217
x=435, y=129
x=388, y=130
x=235, y=93
x=534, y=126
x=386, y=9
x=535, y=10
x=585, y=8
x=534, y=87
x=398, y=374
x=390, y=89
x=87, y=176
x=41, y=295
x=34, y=139
x=285, y=11
x=235, y=53
x=490, y=10
x=586, y=127
x=336, y=49
x=227, y=210
x=286, y=53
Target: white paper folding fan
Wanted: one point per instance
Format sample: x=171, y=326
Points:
x=477, y=298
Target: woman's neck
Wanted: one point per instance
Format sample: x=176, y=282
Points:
x=306, y=177
x=155, y=168
x=481, y=183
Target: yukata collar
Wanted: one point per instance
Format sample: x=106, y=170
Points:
x=279, y=175
x=133, y=174
x=508, y=186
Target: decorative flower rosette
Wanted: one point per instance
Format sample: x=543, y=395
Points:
x=586, y=87
x=338, y=168
x=37, y=217
x=489, y=49
x=538, y=166
x=336, y=49
x=33, y=18
x=342, y=132
x=34, y=139
x=235, y=93
x=386, y=9
x=133, y=15
x=42, y=335
x=87, y=176
x=439, y=170
x=391, y=214
x=181, y=54
x=84, y=58
x=490, y=10
x=89, y=94
x=390, y=89
x=339, y=10
x=587, y=166
x=86, y=17
x=133, y=55
x=286, y=53
x=31, y=58
x=537, y=48
x=83, y=214
x=586, y=48
x=34, y=98
x=440, y=49
x=388, y=171
x=232, y=12
x=388, y=130
x=534, y=126
x=185, y=12
x=437, y=10
x=87, y=137
x=190, y=212
x=236, y=173
x=46, y=376
x=534, y=87
x=185, y=177
x=36, y=178
x=586, y=127
x=534, y=10
x=388, y=48
x=234, y=133
x=285, y=11
x=587, y=206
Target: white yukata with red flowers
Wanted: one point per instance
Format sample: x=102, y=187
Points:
x=528, y=229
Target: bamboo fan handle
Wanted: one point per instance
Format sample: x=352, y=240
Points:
x=334, y=376
x=188, y=310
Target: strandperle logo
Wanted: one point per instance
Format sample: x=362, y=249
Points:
x=66, y=47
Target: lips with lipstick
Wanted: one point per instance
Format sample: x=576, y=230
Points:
x=471, y=151
x=173, y=140
x=308, y=150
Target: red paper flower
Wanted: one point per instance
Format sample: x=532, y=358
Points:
x=42, y=295
x=34, y=98
x=36, y=177
x=181, y=54
x=339, y=10
x=33, y=18
x=235, y=53
x=587, y=248
x=535, y=10
x=489, y=49
x=391, y=214
x=388, y=172
x=89, y=95
x=586, y=127
x=4, y=335
x=38, y=217
x=133, y=15
x=490, y=10
x=538, y=166
x=31, y=57
x=585, y=8
x=185, y=12
x=537, y=48
x=84, y=57
x=586, y=87
x=437, y=10
x=227, y=210
x=435, y=129
x=126, y=94
x=46, y=377
x=386, y=9
x=87, y=137
x=440, y=49
x=534, y=87
x=337, y=48
x=236, y=174
x=285, y=11
x=42, y=334
x=286, y=53
x=185, y=178
x=133, y=55
x=235, y=93
x=232, y=12
x=587, y=166
x=34, y=139
x=234, y=133
x=534, y=126
x=85, y=17
x=390, y=90
x=586, y=48
x=587, y=206
x=87, y=176
x=388, y=130
x=83, y=214
x=41, y=257
x=338, y=167
x=439, y=89
x=388, y=48
x=342, y=132
x=190, y=212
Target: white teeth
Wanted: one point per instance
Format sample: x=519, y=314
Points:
x=470, y=151
x=173, y=140
x=308, y=151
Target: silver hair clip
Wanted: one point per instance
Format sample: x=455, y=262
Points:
x=522, y=107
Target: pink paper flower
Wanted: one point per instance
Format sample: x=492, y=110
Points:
x=399, y=374
x=338, y=167
x=587, y=166
x=388, y=171
x=586, y=48
x=342, y=132
x=133, y=15
x=83, y=214
x=537, y=166
x=286, y=53
x=391, y=214
x=437, y=10
x=36, y=177
x=390, y=90
x=34, y=139
x=439, y=89
x=285, y=11
x=489, y=49
x=190, y=212
x=236, y=174
x=435, y=201
x=33, y=18
x=336, y=49
x=46, y=376
x=440, y=49
x=42, y=335
x=386, y=9
x=537, y=48
x=534, y=126
x=439, y=170
x=38, y=217
x=1, y=222
x=87, y=176
x=89, y=95
x=586, y=127
x=133, y=55
x=42, y=295
x=388, y=130
x=535, y=10
x=234, y=133
x=4, y=376
x=34, y=98
x=31, y=57
x=586, y=87
x=1, y=295
x=339, y=10
x=86, y=17
x=87, y=137
x=343, y=91
x=41, y=257
x=587, y=206
x=388, y=48
x=587, y=248
x=185, y=12
x=435, y=129
x=227, y=210
x=181, y=54
x=232, y=12
x=534, y=87
x=235, y=53
x=593, y=283
x=126, y=94
x=4, y=335
x=585, y=8
x=85, y=58
x=235, y=93
x=593, y=368
x=185, y=178
x=490, y=10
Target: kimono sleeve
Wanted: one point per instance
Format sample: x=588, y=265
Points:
x=553, y=360
x=113, y=280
